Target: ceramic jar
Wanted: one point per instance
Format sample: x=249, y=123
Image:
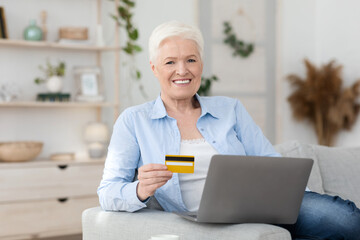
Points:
x=54, y=84
x=33, y=32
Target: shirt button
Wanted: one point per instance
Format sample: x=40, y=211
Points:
x=213, y=141
x=201, y=129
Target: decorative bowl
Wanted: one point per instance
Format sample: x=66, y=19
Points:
x=19, y=151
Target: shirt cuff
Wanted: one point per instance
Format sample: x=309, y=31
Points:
x=133, y=199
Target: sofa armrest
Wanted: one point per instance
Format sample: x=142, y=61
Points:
x=102, y=225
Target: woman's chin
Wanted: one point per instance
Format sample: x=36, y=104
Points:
x=182, y=95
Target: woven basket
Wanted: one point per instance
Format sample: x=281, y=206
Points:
x=19, y=151
x=74, y=33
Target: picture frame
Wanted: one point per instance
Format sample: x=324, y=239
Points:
x=3, y=27
x=89, y=84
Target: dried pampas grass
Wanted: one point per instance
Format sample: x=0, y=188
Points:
x=320, y=98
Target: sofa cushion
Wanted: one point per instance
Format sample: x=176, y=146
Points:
x=101, y=225
x=297, y=149
x=340, y=171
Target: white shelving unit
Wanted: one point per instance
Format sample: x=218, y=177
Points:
x=18, y=43
x=47, y=197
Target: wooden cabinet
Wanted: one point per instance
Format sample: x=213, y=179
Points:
x=46, y=198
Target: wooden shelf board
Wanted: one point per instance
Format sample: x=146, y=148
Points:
x=57, y=104
x=45, y=162
x=42, y=44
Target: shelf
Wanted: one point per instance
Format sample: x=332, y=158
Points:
x=42, y=44
x=49, y=163
x=57, y=104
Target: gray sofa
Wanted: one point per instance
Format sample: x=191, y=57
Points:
x=335, y=172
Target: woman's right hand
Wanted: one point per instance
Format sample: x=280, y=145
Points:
x=151, y=177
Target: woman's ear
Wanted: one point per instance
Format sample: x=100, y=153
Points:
x=153, y=68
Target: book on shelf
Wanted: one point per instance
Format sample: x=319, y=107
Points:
x=53, y=97
x=3, y=28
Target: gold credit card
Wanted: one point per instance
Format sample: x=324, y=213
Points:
x=180, y=163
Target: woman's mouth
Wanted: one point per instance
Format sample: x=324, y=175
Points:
x=181, y=81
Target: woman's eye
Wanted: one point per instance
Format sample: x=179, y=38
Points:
x=170, y=62
x=191, y=60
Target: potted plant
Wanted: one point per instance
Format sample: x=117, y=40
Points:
x=53, y=76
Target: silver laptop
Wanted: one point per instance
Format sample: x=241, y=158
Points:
x=249, y=189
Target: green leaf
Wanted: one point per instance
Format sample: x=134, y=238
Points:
x=232, y=38
x=207, y=85
x=114, y=17
x=240, y=48
x=133, y=35
x=128, y=50
x=138, y=74
x=39, y=80
x=137, y=48
x=129, y=3
x=123, y=12
x=251, y=47
x=60, y=70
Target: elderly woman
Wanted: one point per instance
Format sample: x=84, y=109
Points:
x=180, y=122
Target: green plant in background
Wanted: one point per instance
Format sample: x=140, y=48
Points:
x=205, y=86
x=240, y=48
x=51, y=70
x=124, y=19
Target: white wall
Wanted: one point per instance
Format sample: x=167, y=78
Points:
x=251, y=79
x=61, y=129
x=148, y=15
x=320, y=30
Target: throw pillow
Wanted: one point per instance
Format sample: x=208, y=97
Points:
x=340, y=170
x=297, y=149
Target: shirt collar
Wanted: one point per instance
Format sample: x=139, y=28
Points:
x=206, y=107
x=159, y=110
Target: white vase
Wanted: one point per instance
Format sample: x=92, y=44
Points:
x=99, y=36
x=54, y=84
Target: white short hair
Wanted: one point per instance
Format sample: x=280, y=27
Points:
x=174, y=29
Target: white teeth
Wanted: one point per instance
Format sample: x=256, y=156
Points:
x=181, y=81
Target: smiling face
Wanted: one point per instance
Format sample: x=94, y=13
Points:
x=178, y=67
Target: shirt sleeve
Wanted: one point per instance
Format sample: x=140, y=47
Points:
x=117, y=190
x=251, y=136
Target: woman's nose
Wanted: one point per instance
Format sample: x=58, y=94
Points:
x=181, y=69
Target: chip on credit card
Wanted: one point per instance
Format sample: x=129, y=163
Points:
x=180, y=163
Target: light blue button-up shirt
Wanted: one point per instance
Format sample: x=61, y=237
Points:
x=145, y=134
